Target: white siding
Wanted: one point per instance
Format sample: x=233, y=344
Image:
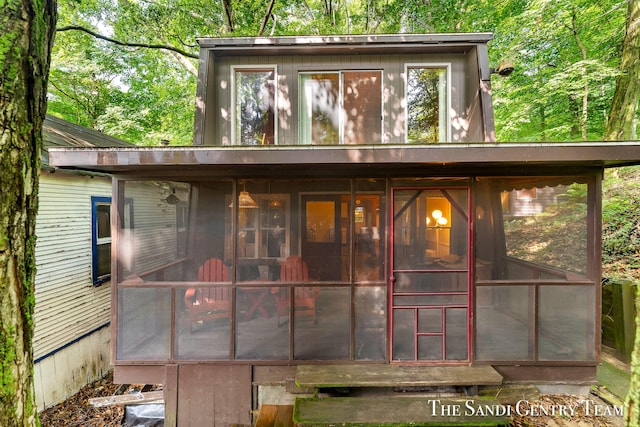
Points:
x=154, y=234
x=68, y=306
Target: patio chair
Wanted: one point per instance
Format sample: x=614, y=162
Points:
x=213, y=302
x=295, y=269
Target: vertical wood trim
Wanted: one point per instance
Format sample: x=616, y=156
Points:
x=486, y=104
x=201, y=98
x=117, y=221
x=594, y=219
x=171, y=396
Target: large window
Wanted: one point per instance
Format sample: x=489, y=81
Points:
x=341, y=107
x=255, y=105
x=428, y=96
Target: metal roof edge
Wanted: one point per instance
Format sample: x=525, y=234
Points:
x=336, y=40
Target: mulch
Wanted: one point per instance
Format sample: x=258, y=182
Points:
x=77, y=411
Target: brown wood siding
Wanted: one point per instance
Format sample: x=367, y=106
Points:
x=214, y=395
x=464, y=91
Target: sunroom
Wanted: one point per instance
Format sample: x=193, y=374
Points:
x=243, y=256
x=358, y=269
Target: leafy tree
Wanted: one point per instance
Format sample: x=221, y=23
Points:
x=622, y=119
x=566, y=54
x=27, y=30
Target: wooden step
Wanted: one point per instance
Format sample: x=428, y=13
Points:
x=379, y=375
x=275, y=416
x=398, y=412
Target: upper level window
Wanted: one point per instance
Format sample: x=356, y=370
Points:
x=428, y=90
x=341, y=107
x=255, y=105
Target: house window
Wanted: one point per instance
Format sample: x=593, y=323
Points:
x=341, y=107
x=101, y=239
x=255, y=105
x=264, y=231
x=428, y=97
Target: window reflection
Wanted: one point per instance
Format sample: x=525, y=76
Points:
x=427, y=104
x=255, y=106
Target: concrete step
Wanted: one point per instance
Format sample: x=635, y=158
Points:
x=399, y=411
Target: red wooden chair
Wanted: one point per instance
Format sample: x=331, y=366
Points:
x=212, y=302
x=295, y=269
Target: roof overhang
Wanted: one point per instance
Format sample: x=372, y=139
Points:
x=392, y=43
x=370, y=160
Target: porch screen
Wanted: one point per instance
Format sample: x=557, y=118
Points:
x=536, y=269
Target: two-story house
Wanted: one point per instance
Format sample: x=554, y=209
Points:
x=345, y=204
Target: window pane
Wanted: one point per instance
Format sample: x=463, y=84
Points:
x=150, y=249
x=566, y=323
x=260, y=332
x=319, y=108
x=103, y=267
x=103, y=213
x=320, y=221
x=369, y=264
x=144, y=317
x=430, y=347
x=203, y=322
x=431, y=229
x=426, y=105
x=362, y=107
x=430, y=282
x=549, y=230
x=255, y=106
x=324, y=334
x=370, y=323
x=545, y=229
x=456, y=337
x=404, y=334
x=504, y=323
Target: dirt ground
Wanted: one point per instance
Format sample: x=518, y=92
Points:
x=77, y=411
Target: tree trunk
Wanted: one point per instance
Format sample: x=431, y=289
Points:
x=26, y=37
x=585, y=93
x=632, y=414
x=621, y=123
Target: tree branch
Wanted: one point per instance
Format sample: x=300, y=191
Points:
x=228, y=12
x=126, y=44
x=267, y=15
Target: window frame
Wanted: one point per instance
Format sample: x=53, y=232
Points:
x=445, y=118
x=96, y=241
x=304, y=138
x=234, y=98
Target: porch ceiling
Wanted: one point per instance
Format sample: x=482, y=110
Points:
x=375, y=160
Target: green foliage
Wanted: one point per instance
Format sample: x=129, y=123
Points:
x=542, y=99
x=143, y=95
x=621, y=224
